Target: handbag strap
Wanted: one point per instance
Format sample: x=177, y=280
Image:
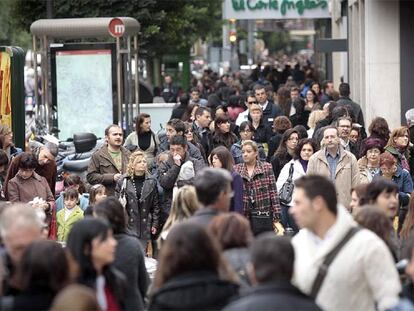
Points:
x=289, y=180
x=124, y=182
x=323, y=269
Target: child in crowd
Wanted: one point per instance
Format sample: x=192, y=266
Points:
x=70, y=214
x=74, y=181
x=97, y=193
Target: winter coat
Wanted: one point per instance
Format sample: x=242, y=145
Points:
x=263, y=133
x=236, y=204
x=300, y=119
x=346, y=176
x=261, y=186
x=102, y=168
x=298, y=172
x=271, y=112
x=48, y=171
x=194, y=291
x=64, y=226
x=133, y=140
x=358, y=116
x=236, y=152
x=238, y=258
x=362, y=276
x=25, y=190
x=143, y=213
x=206, y=142
x=405, y=185
x=33, y=299
x=278, y=162
x=204, y=216
x=278, y=295
x=178, y=111
x=168, y=173
x=129, y=259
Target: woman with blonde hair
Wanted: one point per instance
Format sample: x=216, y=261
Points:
x=138, y=192
x=184, y=205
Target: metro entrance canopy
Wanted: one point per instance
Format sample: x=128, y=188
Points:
x=275, y=9
x=123, y=29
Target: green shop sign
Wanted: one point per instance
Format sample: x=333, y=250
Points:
x=275, y=9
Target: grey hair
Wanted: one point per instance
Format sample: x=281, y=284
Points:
x=21, y=216
x=53, y=148
x=409, y=116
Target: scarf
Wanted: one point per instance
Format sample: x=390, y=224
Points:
x=304, y=164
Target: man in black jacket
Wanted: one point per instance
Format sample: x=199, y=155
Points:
x=270, y=271
x=180, y=169
x=213, y=188
x=344, y=100
x=270, y=110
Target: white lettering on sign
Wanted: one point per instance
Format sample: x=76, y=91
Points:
x=119, y=29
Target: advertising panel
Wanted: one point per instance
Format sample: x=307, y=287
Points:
x=5, y=89
x=83, y=89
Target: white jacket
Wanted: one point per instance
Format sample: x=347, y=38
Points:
x=362, y=274
x=298, y=172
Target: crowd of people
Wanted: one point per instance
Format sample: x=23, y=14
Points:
x=263, y=193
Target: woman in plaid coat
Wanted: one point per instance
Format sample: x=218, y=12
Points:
x=260, y=198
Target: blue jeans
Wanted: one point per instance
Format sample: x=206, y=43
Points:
x=287, y=219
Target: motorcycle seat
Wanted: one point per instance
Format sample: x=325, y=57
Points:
x=76, y=165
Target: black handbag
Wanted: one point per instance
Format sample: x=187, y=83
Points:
x=285, y=195
x=260, y=221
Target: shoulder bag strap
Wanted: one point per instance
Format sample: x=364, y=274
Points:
x=289, y=180
x=323, y=269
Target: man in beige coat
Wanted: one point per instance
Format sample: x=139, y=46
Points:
x=336, y=163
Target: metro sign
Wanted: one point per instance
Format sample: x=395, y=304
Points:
x=116, y=28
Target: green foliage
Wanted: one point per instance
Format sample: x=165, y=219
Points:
x=10, y=34
x=276, y=41
x=166, y=25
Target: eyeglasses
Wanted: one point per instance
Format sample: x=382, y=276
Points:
x=245, y=131
x=188, y=132
x=252, y=102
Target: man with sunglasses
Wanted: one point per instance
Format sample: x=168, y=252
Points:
x=243, y=116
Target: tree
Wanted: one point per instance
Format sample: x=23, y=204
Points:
x=165, y=24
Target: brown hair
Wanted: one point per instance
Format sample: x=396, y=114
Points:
x=375, y=220
x=281, y=124
x=360, y=190
x=94, y=190
x=76, y=297
x=139, y=120
x=231, y=230
x=225, y=157
x=220, y=120
x=400, y=131
x=387, y=159
x=379, y=127
x=71, y=193
x=188, y=248
x=409, y=220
